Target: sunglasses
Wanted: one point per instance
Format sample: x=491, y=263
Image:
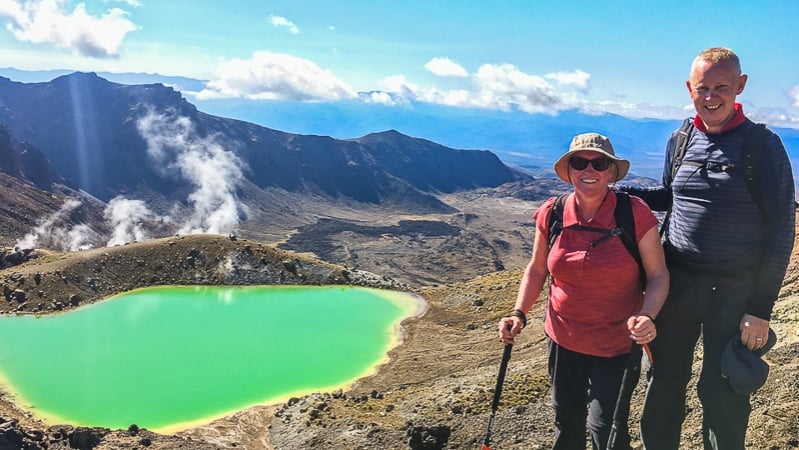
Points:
x=580, y=163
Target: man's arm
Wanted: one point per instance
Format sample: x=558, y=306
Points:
x=778, y=196
x=657, y=198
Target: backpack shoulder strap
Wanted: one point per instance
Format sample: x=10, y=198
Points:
x=625, y=227
x=683, y=136
x=752, y=153
x=556, y=220
x=626, y=221
x=754, y=146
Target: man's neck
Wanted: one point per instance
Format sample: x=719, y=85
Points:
x=734, y=121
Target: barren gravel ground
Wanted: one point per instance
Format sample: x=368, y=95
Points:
x=434, y=393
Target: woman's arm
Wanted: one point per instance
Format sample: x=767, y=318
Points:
x=535, y=274
x=641, y=326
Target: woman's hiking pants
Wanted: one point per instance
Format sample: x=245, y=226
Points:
x=579, y=380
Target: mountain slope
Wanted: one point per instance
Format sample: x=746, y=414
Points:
x=195, y=172
x=26, y=210
x=111, y=138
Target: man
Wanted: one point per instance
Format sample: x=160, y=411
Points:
x=727, y=243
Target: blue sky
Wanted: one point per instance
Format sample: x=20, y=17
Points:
x=625, y=57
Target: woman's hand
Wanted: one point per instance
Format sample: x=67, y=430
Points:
x=642, y=329
x=509, y=327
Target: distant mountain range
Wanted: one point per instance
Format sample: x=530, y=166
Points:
x=131, y=162
x=146, y=158
x=110, y=139
x=531, y=141
x=520, y=139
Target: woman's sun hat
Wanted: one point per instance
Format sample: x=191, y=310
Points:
x=591, y=142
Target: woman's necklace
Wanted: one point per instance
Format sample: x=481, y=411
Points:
x=582, y=213
x=587, y=218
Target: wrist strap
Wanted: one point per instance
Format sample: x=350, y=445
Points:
x=521, y=315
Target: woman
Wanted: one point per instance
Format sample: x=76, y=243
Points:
x=597, y=305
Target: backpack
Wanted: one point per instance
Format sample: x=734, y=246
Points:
x=625, y=227
x=751, y=170
x=752, y=164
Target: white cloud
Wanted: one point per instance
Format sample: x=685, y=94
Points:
x=134, y=3
x=453, y=97
x=504, y=86
x=48, y=22
x=275, y=76
x=378, y=97
x=777, y=117
x=795, y=95
x=578, y=79
x=635, y=110
x=397, y=91
x=401, y=87
x=278, y=21
x=445, y=67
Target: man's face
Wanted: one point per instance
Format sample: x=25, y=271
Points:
x=713, y=88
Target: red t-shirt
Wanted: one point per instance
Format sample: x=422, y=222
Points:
x=594, y=290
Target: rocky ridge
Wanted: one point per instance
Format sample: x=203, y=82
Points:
x=433, y=393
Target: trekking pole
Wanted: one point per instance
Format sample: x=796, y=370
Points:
x=629, y=380
x=503, y=367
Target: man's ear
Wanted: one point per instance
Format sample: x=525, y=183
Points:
x=741, y=83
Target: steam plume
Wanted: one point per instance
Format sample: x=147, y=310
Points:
x=215, y=173
x=126, y=218
x=55, y=232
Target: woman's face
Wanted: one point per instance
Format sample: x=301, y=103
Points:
x=585, y=177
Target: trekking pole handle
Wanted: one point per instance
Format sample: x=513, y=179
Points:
x=648, y=353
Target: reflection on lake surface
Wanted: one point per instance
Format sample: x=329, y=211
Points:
x=162, y=357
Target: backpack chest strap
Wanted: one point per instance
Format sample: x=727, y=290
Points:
x=618, y=231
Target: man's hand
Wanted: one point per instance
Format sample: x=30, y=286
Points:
x=754, y=331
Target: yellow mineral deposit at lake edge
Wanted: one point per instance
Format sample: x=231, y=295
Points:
x=411, y=304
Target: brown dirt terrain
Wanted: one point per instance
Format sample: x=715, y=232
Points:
x=434, y=393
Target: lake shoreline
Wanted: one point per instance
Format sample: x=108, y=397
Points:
x=416, y=307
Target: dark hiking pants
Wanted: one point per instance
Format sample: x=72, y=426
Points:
x=584, y=390
x=710, y=306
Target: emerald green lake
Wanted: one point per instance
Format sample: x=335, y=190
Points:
x=162, y=357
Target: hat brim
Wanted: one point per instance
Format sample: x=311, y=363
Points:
x=561, y=166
